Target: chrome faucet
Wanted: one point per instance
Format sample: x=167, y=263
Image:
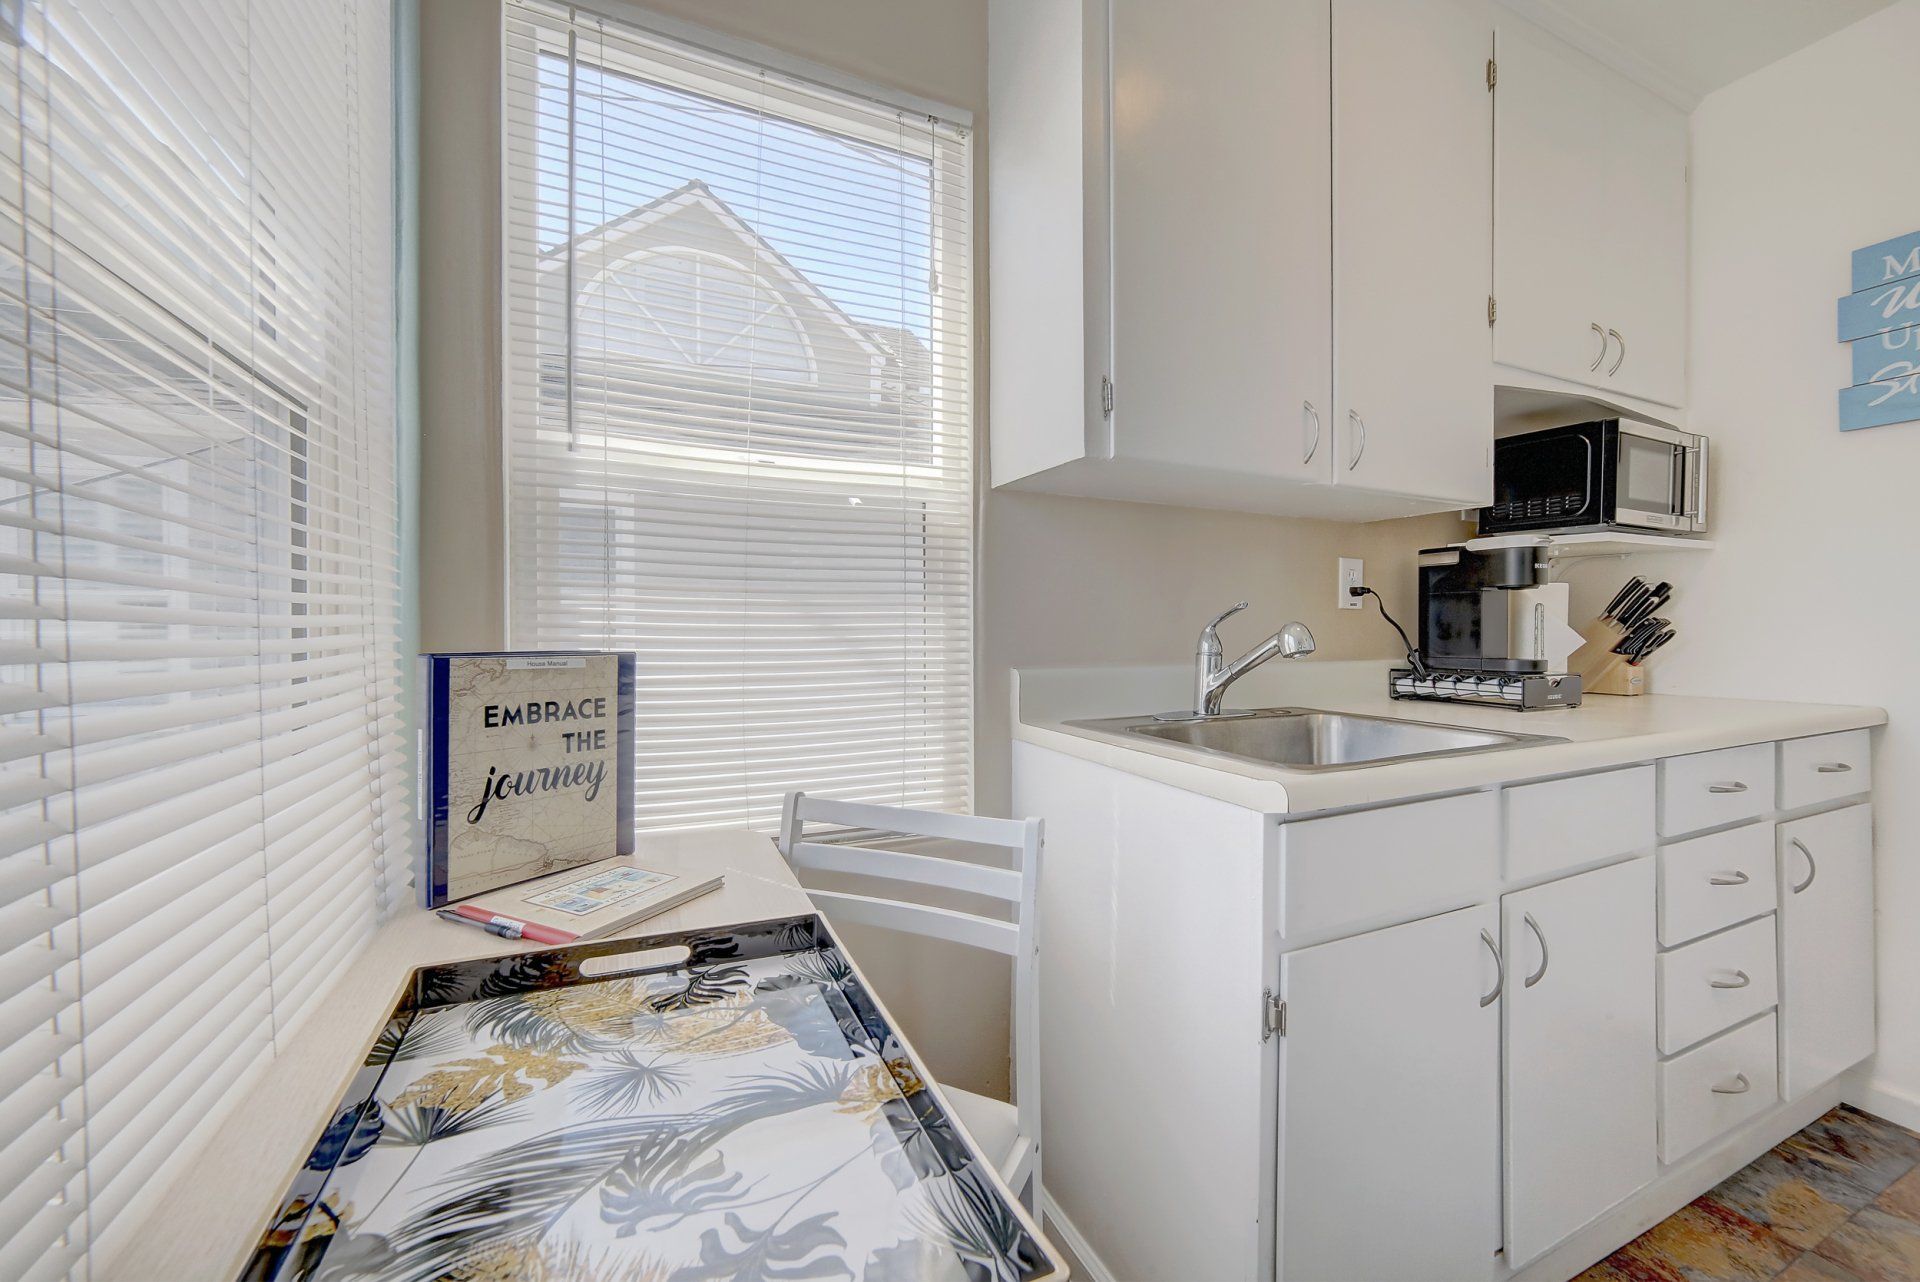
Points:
x=1212, y=674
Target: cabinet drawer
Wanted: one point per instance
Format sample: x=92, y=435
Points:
x=1714, y=881
x=1708, y=789
x=1375, y=863
x=1714, y=1087
x=1568, y=822
x=1825, y=768
x=1715, y=983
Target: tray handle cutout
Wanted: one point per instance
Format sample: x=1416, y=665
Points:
x=635, y=961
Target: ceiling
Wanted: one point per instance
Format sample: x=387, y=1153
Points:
x=1685, y=49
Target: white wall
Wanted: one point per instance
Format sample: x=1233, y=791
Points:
x=1811, y=593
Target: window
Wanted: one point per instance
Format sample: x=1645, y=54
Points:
x=202, y=806
x=738, y=416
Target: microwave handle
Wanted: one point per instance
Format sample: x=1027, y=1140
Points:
x=1696, y=475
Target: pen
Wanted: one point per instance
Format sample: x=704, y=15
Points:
x=506, y=927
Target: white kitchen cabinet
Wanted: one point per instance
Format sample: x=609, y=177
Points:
x=1411, y=214
x=1164, y=183
x=1287, y=1007
x=1590, y=222
x=1581, y=1129
x=1221, y=222
x=1826, y=949
x=1047, y=203
x=1390, y=1112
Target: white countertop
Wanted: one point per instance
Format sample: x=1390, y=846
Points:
x=1606, y=730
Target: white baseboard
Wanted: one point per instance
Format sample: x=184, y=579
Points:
x=1876, y=1097
x=1058, y=1225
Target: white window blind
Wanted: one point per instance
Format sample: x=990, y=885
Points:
x=738, y=415
x=200, y=769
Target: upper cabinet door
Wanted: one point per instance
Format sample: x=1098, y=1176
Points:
x=1580, y=1131
x=1047, y=206
x=1549, y=109
x=1412, y=148
x=1590, y=222
x=1390, y=1104
x=1645, y=212
x=1221, y=235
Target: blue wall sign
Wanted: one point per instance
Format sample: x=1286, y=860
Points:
x=1880, y=320
x=1886, y=262
x=1893, y=354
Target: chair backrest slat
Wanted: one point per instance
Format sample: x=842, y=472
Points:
x=914, y=823
x=896, y=865
x=921, y=919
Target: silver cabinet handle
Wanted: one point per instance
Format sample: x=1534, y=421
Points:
x=1360, y=438
x=1313, y=443
x=1615, y=367
x=1729, y=879
x=1834, y=768
x=1813, y=869
x=1735, y=786
x=1600, y=334
x=1743, y=980
x=1743, y=1087
x=1538, y=934
x=1499, y=970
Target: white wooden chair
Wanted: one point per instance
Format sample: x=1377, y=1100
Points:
x=1008, y=1134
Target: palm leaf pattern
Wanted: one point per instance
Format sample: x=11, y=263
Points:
x=413, y=1038
x=702, y=986
x=770, y=1254
x=626, y=1082
x=730, y=1121
x=417, y=1125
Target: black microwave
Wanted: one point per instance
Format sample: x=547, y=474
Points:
x=1614, y=474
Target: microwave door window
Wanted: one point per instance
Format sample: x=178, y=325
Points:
x=1545, y=481
x=1650, y=476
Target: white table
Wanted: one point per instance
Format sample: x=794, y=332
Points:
x=208, y=1223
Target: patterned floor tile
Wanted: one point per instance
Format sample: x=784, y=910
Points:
x=1865, y=1149
x=1902, y=1198
x=1876, y=1246
x=1801, y=1200
x=1811, y=1268
x=1617, y=1268
x=1704, y=1242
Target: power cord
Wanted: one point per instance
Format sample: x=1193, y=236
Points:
x=1413, y=655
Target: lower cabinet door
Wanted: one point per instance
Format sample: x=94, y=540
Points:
x=1826, y=946
x=1389, y=1104
x=1581, y=1122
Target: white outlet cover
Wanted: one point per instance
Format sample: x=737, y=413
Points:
x=1353, y=574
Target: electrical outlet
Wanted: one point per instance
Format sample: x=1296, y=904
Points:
x=1353, y=574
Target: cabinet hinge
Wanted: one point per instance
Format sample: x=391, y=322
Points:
x=1273, y=1016
x=1106, y=396
x=1493, y=74
x=1493, y=310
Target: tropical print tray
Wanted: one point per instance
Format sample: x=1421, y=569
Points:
x=745, y=1113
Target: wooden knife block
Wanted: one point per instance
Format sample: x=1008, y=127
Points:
x=1601, y=670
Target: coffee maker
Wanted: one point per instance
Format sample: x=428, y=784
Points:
x=1492, y=630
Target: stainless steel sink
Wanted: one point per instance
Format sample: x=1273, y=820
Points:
x=1308, y=739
